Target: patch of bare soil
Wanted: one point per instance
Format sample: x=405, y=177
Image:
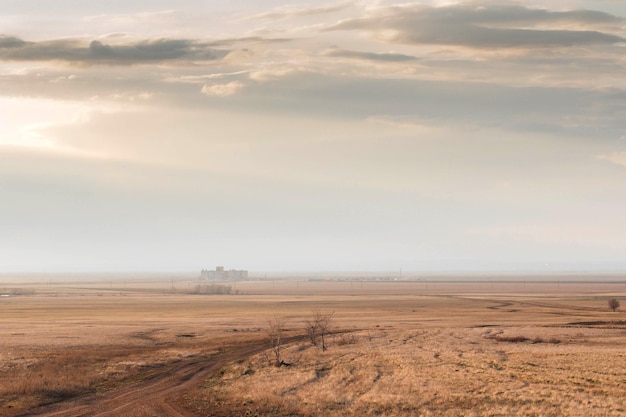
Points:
x=611, y=324
x=158, y=395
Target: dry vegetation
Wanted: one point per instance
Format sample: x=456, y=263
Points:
x=394, y=348
x=431, y=372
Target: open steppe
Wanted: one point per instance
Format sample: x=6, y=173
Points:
x=472, y=347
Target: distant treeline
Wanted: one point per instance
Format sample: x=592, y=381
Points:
x=212, y=289
x=16, y=291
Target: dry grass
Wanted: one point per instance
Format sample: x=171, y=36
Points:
x=432, y=372
x=453, y=350
x=40, y=380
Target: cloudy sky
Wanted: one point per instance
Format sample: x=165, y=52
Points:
x=162, y=135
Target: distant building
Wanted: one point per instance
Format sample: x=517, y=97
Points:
x=219, y=274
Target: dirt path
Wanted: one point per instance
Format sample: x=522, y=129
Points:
x=155, y=396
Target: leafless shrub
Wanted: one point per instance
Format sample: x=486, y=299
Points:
x=522, y=339
x=318, y=327
x=311, y=329
x=347, y=339
x=511, y=339
x=325, y=323
x=613, y=304
x=277, y=339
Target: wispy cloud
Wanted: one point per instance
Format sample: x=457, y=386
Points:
x=618, y=158
x=486, y=26
x=248, y=40
x=291, y=12
x=222, y=90
x=370, y=56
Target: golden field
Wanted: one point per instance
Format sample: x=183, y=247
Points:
x=412, y=348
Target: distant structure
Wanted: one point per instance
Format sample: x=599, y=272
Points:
x=219, y=274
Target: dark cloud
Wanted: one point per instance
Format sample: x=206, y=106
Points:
x=487, y=26
x=97, y=52
x=370, y=56
x=10, y=42
x=566, y=111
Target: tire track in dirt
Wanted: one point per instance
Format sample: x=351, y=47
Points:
x=502, y=304
x=155, y=396
x=499, y=304
x=562, y=307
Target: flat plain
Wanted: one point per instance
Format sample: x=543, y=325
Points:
x=438, y=347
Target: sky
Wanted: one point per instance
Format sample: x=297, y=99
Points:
x=358, y=135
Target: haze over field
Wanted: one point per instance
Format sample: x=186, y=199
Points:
x=350, y=135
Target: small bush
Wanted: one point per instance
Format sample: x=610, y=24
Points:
x=347, y=339
x=522, y=339
x=512, y=339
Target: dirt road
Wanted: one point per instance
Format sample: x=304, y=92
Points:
x=156, y=396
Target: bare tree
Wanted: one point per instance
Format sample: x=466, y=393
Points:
x=613, y=304
x=311, y=328
x=325, y=323
x=277, y=338
x=318, y=327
